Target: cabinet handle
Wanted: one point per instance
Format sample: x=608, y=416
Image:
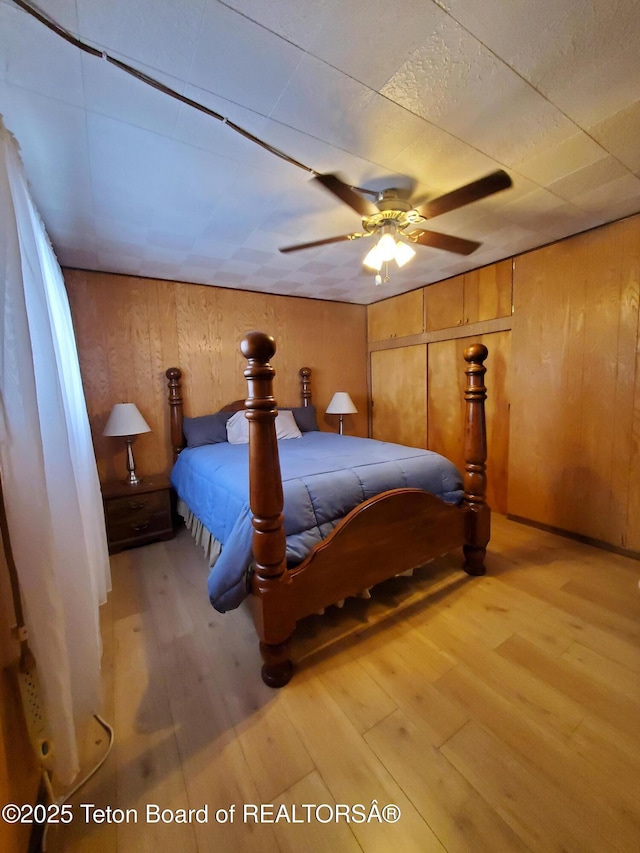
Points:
x=137, y=528
x=137, y=504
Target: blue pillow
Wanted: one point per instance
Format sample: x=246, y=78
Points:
x=207, y=429
x=305, y=417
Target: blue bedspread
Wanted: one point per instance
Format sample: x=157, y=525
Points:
x=324, y=476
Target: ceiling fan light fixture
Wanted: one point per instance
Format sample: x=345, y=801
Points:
x=373, y=259
x=403, y=254
x=387, y=247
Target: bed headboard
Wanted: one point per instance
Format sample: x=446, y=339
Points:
x=176, y=407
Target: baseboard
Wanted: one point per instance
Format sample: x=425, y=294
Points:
x=577, y=537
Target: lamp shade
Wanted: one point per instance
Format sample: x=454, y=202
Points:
x=125, y=419
x=341, y=404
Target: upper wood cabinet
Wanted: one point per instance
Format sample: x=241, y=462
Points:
x=482, y=294
x=487, y=292
x=397, y=317
x=444, y=304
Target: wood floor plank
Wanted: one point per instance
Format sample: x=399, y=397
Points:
x=352, y=773
x=614, y=675
x=146, y=751
x=437, y=717
x=456, y=812
x=549, y=757
x=360, y=697
x=623, y=599
x=591, y=612
x=608, y=643
x=541, y=814
x=273, y=750
x=509, y=609
x=217, y=773
x=171, y=616
x=614, y=753
x=320, y=836
x=610, y=705
x=533, y=697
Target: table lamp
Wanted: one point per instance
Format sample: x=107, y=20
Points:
x=125, y=420
x=341, y=404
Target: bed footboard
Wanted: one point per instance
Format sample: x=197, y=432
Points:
x=367, y=540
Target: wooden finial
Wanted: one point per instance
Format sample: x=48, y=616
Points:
x=258, y=346
x=476, y=354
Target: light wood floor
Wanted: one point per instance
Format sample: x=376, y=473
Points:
x=499, y=713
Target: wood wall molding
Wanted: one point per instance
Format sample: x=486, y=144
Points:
x=471, y=330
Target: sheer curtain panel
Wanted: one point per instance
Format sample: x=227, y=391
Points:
x=51, y=486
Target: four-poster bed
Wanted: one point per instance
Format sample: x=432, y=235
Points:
x=385, y=535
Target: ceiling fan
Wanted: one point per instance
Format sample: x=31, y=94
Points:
x=395, y=219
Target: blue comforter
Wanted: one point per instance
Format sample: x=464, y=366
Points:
x=324, y=476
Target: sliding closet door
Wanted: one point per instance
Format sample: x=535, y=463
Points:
x=399, y=395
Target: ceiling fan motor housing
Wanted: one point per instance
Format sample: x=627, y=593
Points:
x=392, y=209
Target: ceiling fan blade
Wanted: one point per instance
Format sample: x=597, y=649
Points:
x=344, y=192
x=474, y=191
x=444, y=241
x=324, y=242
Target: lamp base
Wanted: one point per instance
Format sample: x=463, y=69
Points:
x=132, y=479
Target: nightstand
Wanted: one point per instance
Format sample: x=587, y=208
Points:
x=136, y=515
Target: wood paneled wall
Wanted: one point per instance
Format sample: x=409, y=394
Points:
x=575, y=439
x=130, y=330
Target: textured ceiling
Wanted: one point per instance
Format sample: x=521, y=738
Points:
x=423, y=95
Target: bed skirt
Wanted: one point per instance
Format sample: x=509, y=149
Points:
x=203, y=537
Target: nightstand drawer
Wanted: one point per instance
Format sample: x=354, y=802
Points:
x=130, y=528
x=135, y=507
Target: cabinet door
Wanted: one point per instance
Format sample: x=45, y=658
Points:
x=487, y=292
x=444, y=304
x=396, y=317
x=399, y=395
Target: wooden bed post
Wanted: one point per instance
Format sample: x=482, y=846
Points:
x=174, y=375
x=478, y=520
x=305, y=381
x=266, y=500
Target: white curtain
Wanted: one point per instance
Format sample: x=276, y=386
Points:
x=51, y=487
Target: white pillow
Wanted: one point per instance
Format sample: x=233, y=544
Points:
x=238, y=427
x=286, y=426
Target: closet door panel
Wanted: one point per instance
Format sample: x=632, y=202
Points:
x=399, y=395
